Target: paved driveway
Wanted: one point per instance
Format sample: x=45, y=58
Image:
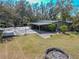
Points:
x=44, y=34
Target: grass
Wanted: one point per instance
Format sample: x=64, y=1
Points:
x=34, y=47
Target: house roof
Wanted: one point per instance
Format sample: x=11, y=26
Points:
x=46, y=22
x=43, y=22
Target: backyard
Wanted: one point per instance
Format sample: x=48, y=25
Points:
x=28, y=28
x=33, y=47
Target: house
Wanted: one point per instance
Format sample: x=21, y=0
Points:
x=43, y=24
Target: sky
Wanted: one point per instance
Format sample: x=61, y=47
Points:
x=34, y=1
x=75, y=2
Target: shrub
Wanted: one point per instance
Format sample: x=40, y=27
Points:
x=77, y=28
x=51, y=35
x=63, y=28
x=52, y=27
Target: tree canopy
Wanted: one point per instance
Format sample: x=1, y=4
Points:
x=20, y=13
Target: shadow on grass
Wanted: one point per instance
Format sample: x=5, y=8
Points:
x=76, y=33
x=66, y=34
x=6, y=39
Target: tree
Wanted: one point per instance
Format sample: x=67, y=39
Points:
x=64, y=7
x=21, y=11
x=24, y=11
x=42, y=10
x=5, y=15
x=51, y=9
x=75, y=24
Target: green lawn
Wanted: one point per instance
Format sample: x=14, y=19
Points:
x=34, y=46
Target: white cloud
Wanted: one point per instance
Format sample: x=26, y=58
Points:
x=33, y=1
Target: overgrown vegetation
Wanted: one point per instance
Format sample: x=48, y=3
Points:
x=34, y=46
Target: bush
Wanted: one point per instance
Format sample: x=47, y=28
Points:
x=77, y=29
x=52, y=27
x=63, y=28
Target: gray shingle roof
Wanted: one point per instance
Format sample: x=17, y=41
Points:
x=43, y=22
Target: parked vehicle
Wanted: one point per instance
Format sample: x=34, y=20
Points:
x=8, y=33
